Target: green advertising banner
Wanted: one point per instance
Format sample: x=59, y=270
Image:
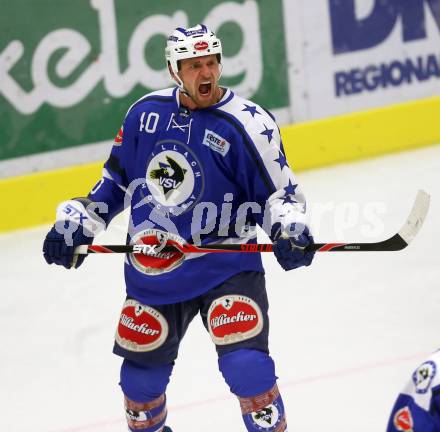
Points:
x=69, y=70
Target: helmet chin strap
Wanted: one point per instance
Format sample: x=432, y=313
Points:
x=182, y=87
x=179, y=83
x=220, y=71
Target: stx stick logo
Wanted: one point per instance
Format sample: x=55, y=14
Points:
x=152, y=249
x=145, y=249
x=149, y=249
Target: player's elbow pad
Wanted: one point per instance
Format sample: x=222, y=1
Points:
x=84, y=212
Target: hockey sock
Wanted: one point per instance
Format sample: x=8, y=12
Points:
x=250, y=375
x=264, y=412
x=144, y=390
x=146, y=416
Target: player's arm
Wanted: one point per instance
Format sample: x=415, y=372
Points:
x=417, y=408
x=80, y=219
x=270, y=182
x=109, y=193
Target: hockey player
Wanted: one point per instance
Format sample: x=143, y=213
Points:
x=417, y=408
x=195, y=163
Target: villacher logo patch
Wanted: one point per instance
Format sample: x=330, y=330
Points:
x=160, y=262
x=141, y=328
x=234, y=318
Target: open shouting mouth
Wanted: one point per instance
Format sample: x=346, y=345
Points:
x=205, y=89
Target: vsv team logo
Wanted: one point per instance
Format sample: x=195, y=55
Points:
x=169, y=175
x=174, y=178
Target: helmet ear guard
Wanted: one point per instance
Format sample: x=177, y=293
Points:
x=193, y=42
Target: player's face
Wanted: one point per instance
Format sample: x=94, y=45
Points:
x=200, y=77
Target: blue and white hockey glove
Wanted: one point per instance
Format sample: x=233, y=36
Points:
x=76, y=225
x=289, y=246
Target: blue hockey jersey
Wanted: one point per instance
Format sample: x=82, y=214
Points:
x=417, y=408
x=203, y=176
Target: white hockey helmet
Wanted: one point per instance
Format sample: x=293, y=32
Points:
x=192, y=42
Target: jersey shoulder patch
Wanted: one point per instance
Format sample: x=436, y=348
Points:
x=423, y=380
x=425, y=375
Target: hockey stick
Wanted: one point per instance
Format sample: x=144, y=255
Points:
x=397, y=242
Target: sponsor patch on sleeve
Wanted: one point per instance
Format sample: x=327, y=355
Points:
x=216, y=142
x=119, y=136
x=403, y=420
x=234, y=318
x=141, y=328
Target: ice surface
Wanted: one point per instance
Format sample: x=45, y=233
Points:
x=345, y=332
